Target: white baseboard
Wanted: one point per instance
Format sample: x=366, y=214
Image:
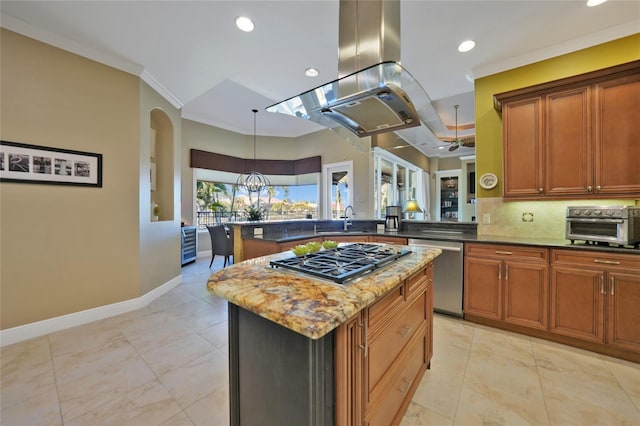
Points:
x=51, y=325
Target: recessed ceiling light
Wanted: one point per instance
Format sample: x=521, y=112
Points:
x=311, y=72
x=245, y=24
x=466, y=46
x=592, y=3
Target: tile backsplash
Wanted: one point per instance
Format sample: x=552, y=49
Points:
x=535, y=219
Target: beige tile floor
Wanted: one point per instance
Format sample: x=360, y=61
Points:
x=166, y=364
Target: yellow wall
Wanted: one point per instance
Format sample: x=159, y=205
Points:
x=506, y=217
x=489, y=122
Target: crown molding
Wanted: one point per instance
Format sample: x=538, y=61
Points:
x=161, y=89
x=570, y=46
x=28, y=30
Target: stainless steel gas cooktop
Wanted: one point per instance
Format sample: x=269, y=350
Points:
x=343, y=263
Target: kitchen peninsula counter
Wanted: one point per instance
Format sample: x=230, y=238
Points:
x=289, y=232
x=307, y=351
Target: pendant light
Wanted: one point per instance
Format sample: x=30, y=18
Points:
x=254, y=182
x=456, y=142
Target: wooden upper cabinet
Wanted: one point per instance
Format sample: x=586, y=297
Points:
x=523, y=161
x=573, y=138
x=617, y=136
x=567, y=143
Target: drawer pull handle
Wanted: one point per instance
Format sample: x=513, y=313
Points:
x=613, y=281
x=365, y=338
x=405, y=331
x=503, y=252
x=408, y=385
x=606, y=262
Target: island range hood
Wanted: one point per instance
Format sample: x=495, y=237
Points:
x=374, y=93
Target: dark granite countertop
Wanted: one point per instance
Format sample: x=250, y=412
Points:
x=287, y=233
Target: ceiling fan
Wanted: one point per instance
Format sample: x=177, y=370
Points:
x=468, y=141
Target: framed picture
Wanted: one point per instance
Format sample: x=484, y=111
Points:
x=23, y=163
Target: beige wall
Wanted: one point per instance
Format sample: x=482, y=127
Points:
x=65, y=249
x=326, y=143
x=159, y=241
x=334, y=149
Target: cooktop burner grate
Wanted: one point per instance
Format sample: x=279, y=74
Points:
x=343, y=263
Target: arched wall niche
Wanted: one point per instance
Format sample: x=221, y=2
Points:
x=161, y=152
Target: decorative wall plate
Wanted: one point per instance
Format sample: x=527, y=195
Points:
x=488, y=181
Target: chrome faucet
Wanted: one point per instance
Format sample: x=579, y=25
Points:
x=347, y=222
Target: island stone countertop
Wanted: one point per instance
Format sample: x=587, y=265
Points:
x=307, y=305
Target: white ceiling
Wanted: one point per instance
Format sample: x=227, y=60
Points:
x=192, y=53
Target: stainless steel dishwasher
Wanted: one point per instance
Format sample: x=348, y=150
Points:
x=447, y=275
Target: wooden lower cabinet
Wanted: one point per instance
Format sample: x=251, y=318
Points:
x=577, y=305
x=507, y=283
x=382, y=353
x=623, y=316
x=595, y=297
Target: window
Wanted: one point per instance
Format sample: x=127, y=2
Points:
x=290, y=197
x=338, y=179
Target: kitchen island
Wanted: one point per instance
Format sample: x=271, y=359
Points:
x=306, y=351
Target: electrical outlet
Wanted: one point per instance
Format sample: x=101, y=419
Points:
x=486, y=218
x=527, y=217
x=257, y=232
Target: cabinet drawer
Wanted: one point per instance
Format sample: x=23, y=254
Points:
x=416, y=283
x=383, y=350
x=380, y=311
x=397, y=384
x=507, y=252
x=595, y=258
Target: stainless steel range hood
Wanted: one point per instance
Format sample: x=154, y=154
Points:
x=374, y=93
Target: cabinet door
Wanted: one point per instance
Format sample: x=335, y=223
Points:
x=482, y=292
x=526, y=294
x=577, y=298
x=522, y=139
x=623, y=320
x=348, y=371
x=616, y=139
x=568, y=147
x=257, y=248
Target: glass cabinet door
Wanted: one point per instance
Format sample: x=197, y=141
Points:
x=448, y=195
x=396, y=181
